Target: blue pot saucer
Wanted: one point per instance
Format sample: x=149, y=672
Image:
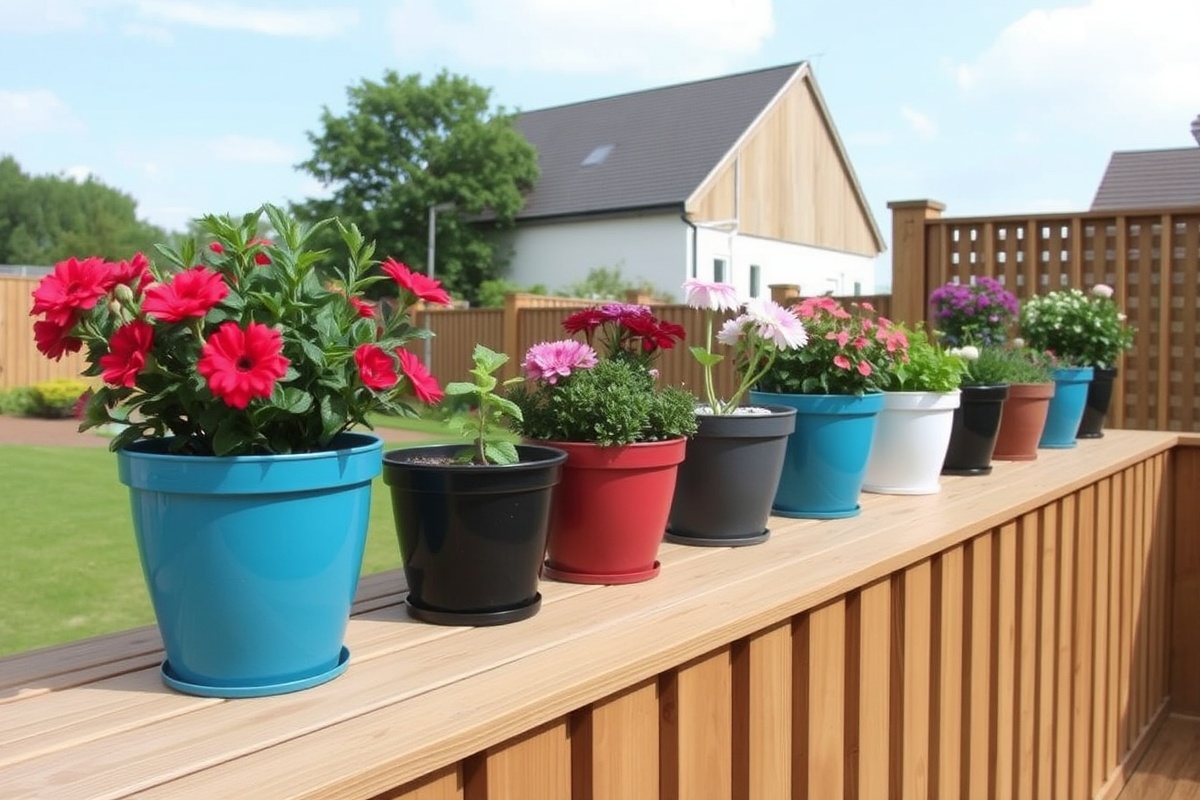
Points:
x=256, y=689
x=852, y=512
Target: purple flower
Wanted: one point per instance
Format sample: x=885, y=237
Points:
x=550, y=361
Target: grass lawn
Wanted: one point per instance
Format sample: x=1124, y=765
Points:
x=70, y=566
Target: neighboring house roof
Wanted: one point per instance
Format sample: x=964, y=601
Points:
x=1150, y=179
x=654, y=148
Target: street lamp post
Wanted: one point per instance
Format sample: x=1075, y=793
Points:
x=433, y=212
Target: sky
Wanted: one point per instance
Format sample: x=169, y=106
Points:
x=991, y=107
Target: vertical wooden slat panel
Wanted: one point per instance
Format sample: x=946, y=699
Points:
x=1141, y=638
x=1030, y=533
x=1030, y=261
x=1087, y=616
x=1098, y=704
x=979, y=710
x=826, y=628
x=1069, y=617
x=1006, y=664
x=948, y=743
x=614, y=746
x=533, y=766
x=1126, y=723
x=1165, y=249
x=1185, y=582
x=1043, y=761
x=918, y=606
x=1189, y=328
x=762, y=725
x=697, y=729
x=874, y=689
x=444, y=784
x=1117, y=591
x=1075, y=252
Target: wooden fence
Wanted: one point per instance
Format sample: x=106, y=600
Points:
x=20, y=362
x=1150, y=257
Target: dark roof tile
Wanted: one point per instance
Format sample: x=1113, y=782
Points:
x=1150, y=179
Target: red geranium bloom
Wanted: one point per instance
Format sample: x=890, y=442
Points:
x=52, y=339
x=216, y=247
x=425, y=386
x=365, y=308
x=134, y=273
x=261, y=258
x=586, y=320
x=190, y=293
x=240, y=365
x=73, y=286
x=128, y=351
x=375, y=367
x=424, y=287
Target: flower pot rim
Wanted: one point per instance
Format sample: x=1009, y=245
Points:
x=703, y=410
x=541, y=455
x=346, y=443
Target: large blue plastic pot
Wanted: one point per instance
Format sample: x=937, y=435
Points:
x=251, y=562
x=1066, y=407
x=827, y=453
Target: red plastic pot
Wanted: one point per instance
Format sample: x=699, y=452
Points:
x=611, y=510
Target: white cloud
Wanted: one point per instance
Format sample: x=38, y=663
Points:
x=653, y=38
x=924, y=126
x=78, y=173
x=37, y=111
x=252, y=150
x=1116, y=68
x=317, y=23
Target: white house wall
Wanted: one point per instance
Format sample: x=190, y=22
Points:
x=658, y=248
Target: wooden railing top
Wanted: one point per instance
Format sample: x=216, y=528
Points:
x=92, y=719
x=1069, y=216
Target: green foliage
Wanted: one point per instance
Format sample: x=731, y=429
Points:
x=607, y=283
x=928, y=368
x=492, y=291
x=614, y=403
x=1079, y=329
x=17, y=402
x=486, y=424
x=56, y=397
x=45, y=219
x=1006, y=364
x=404, y=145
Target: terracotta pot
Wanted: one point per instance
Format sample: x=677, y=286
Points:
x=610, y=511
x=1022, y=422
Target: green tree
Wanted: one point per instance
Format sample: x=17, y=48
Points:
x=491, y=292
x=47, y=218
x=403, y=146
x=607, y=283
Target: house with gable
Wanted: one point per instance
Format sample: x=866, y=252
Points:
x=741, y=178
x=1166, y=178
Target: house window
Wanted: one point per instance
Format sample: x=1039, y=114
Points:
x=719, y=270
x=755, y=280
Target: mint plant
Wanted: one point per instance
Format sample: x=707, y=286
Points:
x=485, y=424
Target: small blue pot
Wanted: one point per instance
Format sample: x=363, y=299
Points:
x=827, y=453
x=251, y=562
x=1066, y=407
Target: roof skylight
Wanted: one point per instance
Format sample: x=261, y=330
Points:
x=597, y=156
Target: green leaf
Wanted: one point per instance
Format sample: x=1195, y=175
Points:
x=501, y=452
x=457, y=388
x=706, y=358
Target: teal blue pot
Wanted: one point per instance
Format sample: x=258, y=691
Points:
x=251, y=562
x=827, y=453
x=1066, y=407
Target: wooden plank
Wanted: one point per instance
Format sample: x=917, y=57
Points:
x=1088, y=615
x=874, y=726
x=918, y=700
x=1166, y=251
x=826, y=629
x=1007, y=653
x=614, y=746
x=442, y=784
x=762, y=724
x=1030, y=536
x=982, y=630
x=697, y=729
x=949, y=742
x=1044, y=766
x=1099, y=704
x=533, y=766
x=1170, y=769
x=1127, y=731
x=1185, y=583
x=1063, y=751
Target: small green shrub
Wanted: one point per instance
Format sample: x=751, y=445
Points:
x=57, y=397
x=995, y=364
x=17, y=402
x=928, y=367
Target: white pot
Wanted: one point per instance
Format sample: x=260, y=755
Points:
x=911, y=437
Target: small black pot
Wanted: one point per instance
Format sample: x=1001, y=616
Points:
x=974, y=430
x=727, y=480
x=472, y=538
x=1099, y=397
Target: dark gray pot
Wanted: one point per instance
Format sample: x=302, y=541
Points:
x=975, y=429
x=727, y=480
x=1099, y=397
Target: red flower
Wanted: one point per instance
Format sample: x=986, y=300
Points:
x=240, y=365
x=586, y=320
x=654, y=334
x=216, y=247
x=53, y=340
x=190, y=293
x=261, y=258
x=365, y=308
x=134, y=273
x=841, y=362
x=422, y=286
x=424, y=385
x=73, y=286
x=128, y=351
x=375, y=367
x=864, y=369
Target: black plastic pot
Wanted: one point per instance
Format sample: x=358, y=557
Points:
x=727, y=480
x=1099, y=397
x=472, y=538
x=974, y=430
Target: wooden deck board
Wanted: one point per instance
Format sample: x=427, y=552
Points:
x=1170, y=770
x=417, y=698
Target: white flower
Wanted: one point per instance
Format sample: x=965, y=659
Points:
x=1018, y=342
x=710, y=295
x=970, y=352
x=774, y=323
x=731, y=332
x=1102, y=290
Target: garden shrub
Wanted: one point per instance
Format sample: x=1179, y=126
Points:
x=57, y=397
